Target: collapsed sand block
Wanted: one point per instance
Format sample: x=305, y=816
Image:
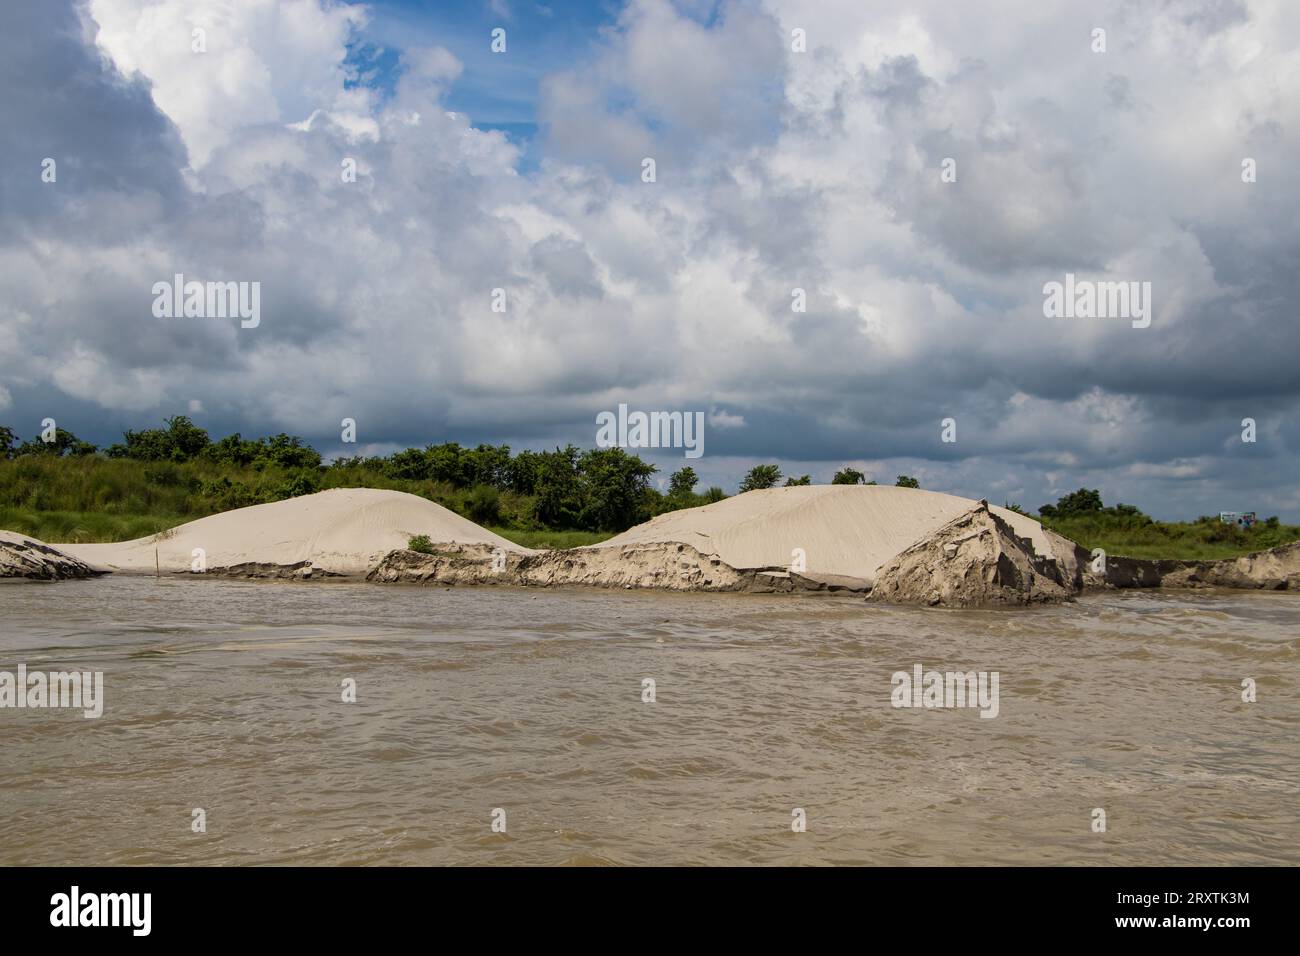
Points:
x=666, y=566
x=261, y=570
x=673, y=567
x=1277, y=569
x=24, y=557
x=976, y=560
x=448, y=562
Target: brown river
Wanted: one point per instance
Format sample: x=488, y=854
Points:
x=770, y=738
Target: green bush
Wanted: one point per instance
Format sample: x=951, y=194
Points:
x=760, y=477
x=302, y=483
x=483, y=504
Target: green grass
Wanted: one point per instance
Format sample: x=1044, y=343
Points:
x=93, y=499
x=542, y=540
x=84, y=527
x=1138, y=538
x=98, y=499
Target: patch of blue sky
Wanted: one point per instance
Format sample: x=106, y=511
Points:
x=496, y=91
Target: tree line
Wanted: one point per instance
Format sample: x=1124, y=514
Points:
x=602, y=489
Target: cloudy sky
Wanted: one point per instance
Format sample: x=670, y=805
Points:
x=775, y=169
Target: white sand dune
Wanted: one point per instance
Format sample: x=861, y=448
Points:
x=343, y=531
x=844, y=530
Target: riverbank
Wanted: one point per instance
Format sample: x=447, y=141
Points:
x=897, y=545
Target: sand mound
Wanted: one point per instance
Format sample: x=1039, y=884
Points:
x=341, y=531
x=976, y=560
x=843, y=531
x=24, y=557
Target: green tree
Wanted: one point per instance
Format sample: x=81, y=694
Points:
x=614, y=486
x=848, y=476
x=187, y=439
x=181, y=440
x=681, y=484
x=65, y=444
x=450, y=463
x=760, y=477
x=525, y=472
x=1082, y=502
x=489, y=465
x=906, y=481
x=231, y=450
x=289, y=451
x=7, y=439
x=558, y=493
x=409, y=464
x=797, y=482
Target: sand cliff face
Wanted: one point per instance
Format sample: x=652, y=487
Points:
x=24, y=557
x=976, y=560
x=673, y=567
x=1277, y=569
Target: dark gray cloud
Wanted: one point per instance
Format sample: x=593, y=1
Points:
x=114, y=151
